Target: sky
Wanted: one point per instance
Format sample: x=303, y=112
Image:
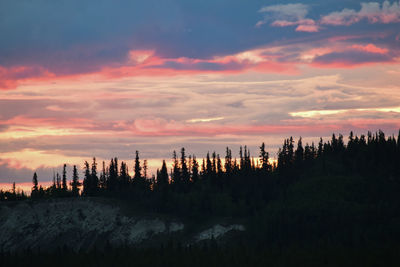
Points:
x=83, y=79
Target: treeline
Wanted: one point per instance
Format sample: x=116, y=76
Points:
x=13, y=194
x=228, y=185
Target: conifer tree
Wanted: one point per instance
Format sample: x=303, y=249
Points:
x=228, y=161
x=103, y=177
x=145, y=169
x=64, y=178
x=162, y=177
x=195, y=170
x=35, y=188
x=184, y=169
x=75, y=184
x=13, y=189
x=209, y=168
x=290, y=150
x=219, y=165
x=299, y=153
x=113, y=175
x=94, y=178
x=87, y=180
x=176, y=173
x=138, y=168
x=320, y=147
x=124, y=175
x=58, y=179
x=54, y=180
x=264, y=157
x=214, y=164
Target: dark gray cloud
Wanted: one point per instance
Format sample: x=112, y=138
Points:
x=352, y=58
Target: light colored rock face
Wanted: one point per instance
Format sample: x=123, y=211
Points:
x=78, y=224
x=218, y=231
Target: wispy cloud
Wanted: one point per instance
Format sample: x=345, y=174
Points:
x=296, y=15
x=373, y=12
x=288, y=15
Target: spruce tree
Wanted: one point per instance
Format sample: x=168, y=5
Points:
x=64, y=178
x=145, y=169
x=124, y=175
x=184, y=169
x=138, y=168
x=87, y=180
x=75, y=184
x=320, y=147
x=35, y=188
x=264, y=157
x=208, y=165
x=228, y=161
x=162, y=177
x=176, y=173
x=58, y=179
x=103, y=176
x=299, y=153
x=195, y=170
x=94, y=179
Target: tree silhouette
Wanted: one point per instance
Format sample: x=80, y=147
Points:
x=75, y=184
x=176, y=172
x=195, y=170
x=145, y=169
x=264, y=158
x=64, y=178
x=138, y=168
x=35, y=188
x=87, y=183
x=184, y=175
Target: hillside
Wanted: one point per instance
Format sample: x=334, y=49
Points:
x=86, y=224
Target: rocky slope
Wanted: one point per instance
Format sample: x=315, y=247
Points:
x=82, y=224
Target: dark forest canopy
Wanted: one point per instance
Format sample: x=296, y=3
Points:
x=242, y=184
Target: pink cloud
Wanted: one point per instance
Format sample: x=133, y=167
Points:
x=371, y=48
x=356, y=55
x=12, y=77
x=303, y=25
x=145, y=63
x=307, y=28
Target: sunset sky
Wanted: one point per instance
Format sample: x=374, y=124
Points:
x=105, y=78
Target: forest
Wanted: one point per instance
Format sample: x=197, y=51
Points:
x=329, y=203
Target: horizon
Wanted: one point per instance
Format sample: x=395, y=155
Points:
x=154, y=165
